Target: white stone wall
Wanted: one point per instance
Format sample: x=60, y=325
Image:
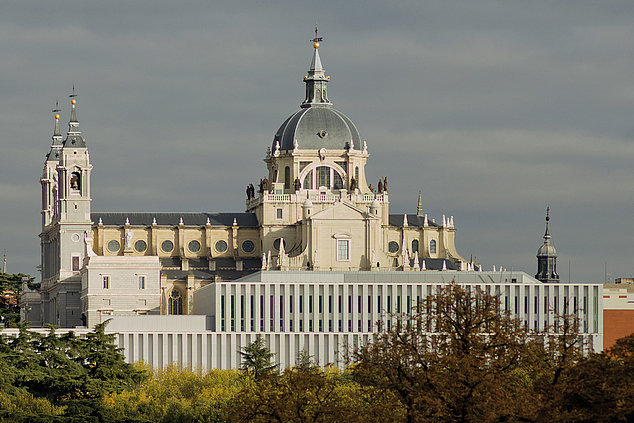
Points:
x=123, y=296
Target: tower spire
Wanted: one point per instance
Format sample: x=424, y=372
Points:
x=73, y=137
x=316, y=80
x=419, y=206
x=547, y=233
x=56, y=144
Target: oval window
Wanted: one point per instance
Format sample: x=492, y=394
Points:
x=221, y=246
x=276, y=243
x=167, y=246
x=140, y=246
x=114, y=246
x=392, y=246
x=248, y=246
x=194, y=246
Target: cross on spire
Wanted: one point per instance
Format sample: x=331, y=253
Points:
x=73, y=95
x=56, y=109
x=317, y=38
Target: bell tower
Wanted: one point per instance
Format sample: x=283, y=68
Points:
x=49, y=174
x=73, y=172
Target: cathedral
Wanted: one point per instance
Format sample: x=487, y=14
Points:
x=313, y=210
x=315, y=263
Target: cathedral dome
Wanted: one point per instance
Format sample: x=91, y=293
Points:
x=315, y=128
x=317, y=124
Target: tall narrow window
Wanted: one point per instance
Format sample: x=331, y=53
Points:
x=414, y=246
x=432, y=246
x=343, y=249
x=75, y=263
x=106, y=281
x=287, y=177
x=356, y=174
x=141, y=281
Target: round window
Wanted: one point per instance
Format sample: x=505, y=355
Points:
x=276, y=243
x=248, y=246
x=167, y=246
x=140, y=246
x=113, y=246
x=392, y=246
x=194, y=246
x=221, y=246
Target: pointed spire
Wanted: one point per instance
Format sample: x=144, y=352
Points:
x=56, y=145
x=444, y=264
x=316, y=79
x=425, y=221
x=547, y=233
x=405, y=223
x=419, y=206
x=73, y=137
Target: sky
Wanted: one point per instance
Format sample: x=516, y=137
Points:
x=492, y=109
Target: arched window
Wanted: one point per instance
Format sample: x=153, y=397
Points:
x=75, y=181
x=323, y=176
x=175, y=302
x=287, y=177
x=432, y=246
x=414, y=246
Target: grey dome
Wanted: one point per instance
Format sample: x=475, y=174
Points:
x=547, y=250
x=307, y=126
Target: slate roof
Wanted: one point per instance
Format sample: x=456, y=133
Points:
x=412, y=220
x=173, y=219
x=306, y=127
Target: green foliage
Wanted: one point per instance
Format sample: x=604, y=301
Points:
x=10, y=291
x=256, y=359
x=178, y=395
x=68, y=373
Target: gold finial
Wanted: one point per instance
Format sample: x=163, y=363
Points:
x=56, y=116
x=73, y=101
x=316, y=44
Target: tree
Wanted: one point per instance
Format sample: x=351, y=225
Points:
x=256, y=359
x=456, y=357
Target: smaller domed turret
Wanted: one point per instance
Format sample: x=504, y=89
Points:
x=375, y=207
x=547, y=257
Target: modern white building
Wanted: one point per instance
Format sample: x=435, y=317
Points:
x=312, y=264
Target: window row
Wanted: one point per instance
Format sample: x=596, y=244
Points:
x=167, y=246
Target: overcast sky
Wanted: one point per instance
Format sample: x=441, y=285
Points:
x=493, y=109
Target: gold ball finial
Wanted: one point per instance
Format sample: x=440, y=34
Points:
x=56, y=116
x=316, y=44
x=73, y=101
